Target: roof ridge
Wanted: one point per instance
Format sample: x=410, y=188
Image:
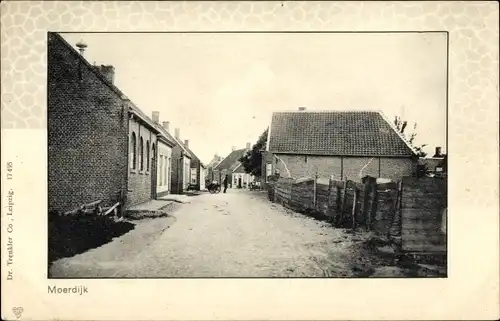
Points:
x=327, y=111
x=364, y=133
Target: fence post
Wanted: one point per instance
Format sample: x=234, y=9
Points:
x=315, y=190
x=343, y=203
x=374, y=205
x=354, y=201
x=366, y=199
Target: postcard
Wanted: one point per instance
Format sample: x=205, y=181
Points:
x=249, y=160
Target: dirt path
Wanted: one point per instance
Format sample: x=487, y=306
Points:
x=238, y=234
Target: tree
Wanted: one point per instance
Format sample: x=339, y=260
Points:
x=401, y=126
x=252, y=160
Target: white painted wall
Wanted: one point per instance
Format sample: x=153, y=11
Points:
x=164, y=166
x=187, y=171
x=203, y=175
x=245, y=178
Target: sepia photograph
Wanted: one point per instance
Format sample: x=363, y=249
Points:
x=247, y=155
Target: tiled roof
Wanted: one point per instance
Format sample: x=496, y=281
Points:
x=181, y=145
x=342, y=133
x=231, y=161
x=214, y=161
x=166, y=135
x=194, y=156
x=239, y=169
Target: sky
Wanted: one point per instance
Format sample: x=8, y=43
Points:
x=220, y=89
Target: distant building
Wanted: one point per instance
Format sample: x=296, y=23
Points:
x=345, y=144
x=240, y=178
x=210, y=177
x=435, y=165
x=228, y=165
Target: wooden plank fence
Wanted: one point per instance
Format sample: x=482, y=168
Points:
x=407, y=212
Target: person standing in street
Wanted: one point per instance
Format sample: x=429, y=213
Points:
x=225, y=183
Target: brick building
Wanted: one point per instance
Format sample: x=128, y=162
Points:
x=348, y=144
x=210, y=168
x=100, y=145
x=181, y=165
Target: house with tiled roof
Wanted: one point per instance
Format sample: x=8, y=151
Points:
x=342, y=144
x=228, y=165
x=101, y=146
x=240, y=178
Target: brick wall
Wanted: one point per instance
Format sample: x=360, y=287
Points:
x=423, y=202
x=341, y=167
x=87, y=133
x=141, y=180
x=395, y=168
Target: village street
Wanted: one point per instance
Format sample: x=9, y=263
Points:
x=238, y=234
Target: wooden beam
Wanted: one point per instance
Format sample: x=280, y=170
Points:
x=92, y=204
x=353, y=212
x=112, y=208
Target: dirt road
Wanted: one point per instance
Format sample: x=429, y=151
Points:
x=238, y=234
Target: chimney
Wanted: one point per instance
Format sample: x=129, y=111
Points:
x=302, y=108
x=248, y=145
x=186, y=143
x=177, y=133
x=156, y=116
x=233, y=148
x=166, y=125
x=81, y=46
x=107, y=71
x=438, y=152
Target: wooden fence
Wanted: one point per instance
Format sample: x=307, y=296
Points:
x=422, y=206
x=392, y=209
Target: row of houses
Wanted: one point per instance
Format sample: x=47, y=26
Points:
x=101, y=146
x=231, y=166
x=338, y=145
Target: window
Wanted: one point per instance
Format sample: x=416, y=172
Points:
x=133, y=149
x=141, y=154
x=147, y=156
